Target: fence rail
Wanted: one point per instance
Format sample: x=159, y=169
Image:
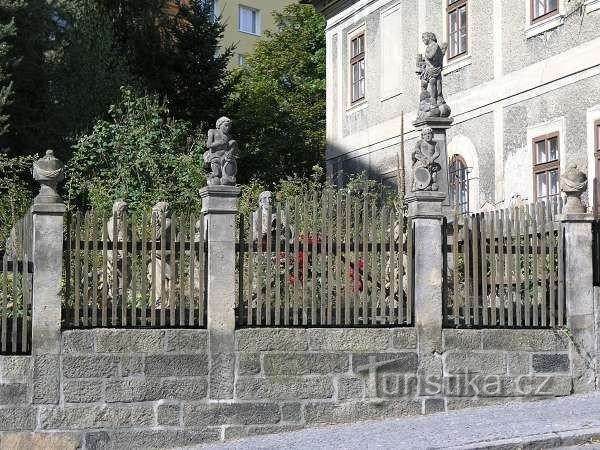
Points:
x=325, y=260
x=16, y=278
x=504, y=269
x=133, y=270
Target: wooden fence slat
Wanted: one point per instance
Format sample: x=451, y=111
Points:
x=163, y=269
x=323, y=258
x=493, y=278
x=518, y=262
x=268, y=266
x=510, y=275
x=551, y=263
x=455, y=271
x=330, y=257
x=277, y=260
x=123, y=261
x=365, y=258
x=172, y=260
x=467, y=306
x=296, y=280
x=502, y=275
x=392, y=302
x=382, y=267
x=543, y=262
x=338, y=261
x=305, y=251
x=314, y=260
x=476, y=269
x=527, y=257
x=484, y=264
x=134, y=269
x=535, y=244
x=400, y=279
x=15, y=294
x=347, y=256
x=356, y=271
x=181, y=262
x=94, y=261
x=104, y=313
x=374, y=263
x=153, y=257
x=77, y=269
x=286, y=277
x=144, y=297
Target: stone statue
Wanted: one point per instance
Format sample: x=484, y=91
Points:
x=268, y=218
x=49, y=171
x=221, y=154
x=122, y=261
x=424, y=158
x=573, y=182
x=429, y=69
x=160, y=211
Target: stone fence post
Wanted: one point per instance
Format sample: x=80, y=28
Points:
x=220, y=207
x=579, y=280
x=425, y=210
x=48, y=210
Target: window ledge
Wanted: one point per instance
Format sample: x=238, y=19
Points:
x=249, y=32
x=544, y=25
x=591, y=6
x=456, y=64
x=358, y=106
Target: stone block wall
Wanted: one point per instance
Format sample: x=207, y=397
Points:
x=113, y=389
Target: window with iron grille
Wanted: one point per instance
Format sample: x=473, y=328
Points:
x=457, y=28
x=541, y=9
x=458, y=178
x=546, y=167
x=357, y=68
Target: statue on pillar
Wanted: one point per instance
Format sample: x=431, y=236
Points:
x=429, y=69
x=220, y=156
x=425, y=167
x=573, y=182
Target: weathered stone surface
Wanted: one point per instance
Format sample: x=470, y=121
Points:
x=231, y=414
x=481, y=385
x=96, y=366
x=473, y=362
x=106, y=416
x=525, y=340
x=186, y=341
x=454, y=403
x=161, y=439
x=78, y=341
x=129, y=341
x=98, y=440
x=17, y=419
x=284, y=388
x=350, y=388
x=40, y=441
x=304, y=363
x=168, y=415
x=401, y=362
x=148, y=389
x=132, y=365
x=291, y=412
x=221, y=376
x=17, y=368
x=83, y=391
x=248, y=363
x=518, y=363
x=361, y=410
x=46, y=366
x=271, y=339
x=462, y=339
x=404, y=339
x=350, y=339
x=176, y=365
x=272, y=429
x=13, y=393
x=434, y=405
x=46, y=390
x=550, y=362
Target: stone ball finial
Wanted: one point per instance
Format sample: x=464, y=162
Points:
x=49, y=171
x=573, y=182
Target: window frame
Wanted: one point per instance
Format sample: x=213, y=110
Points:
x=258, y=24
x=547, y=166
x=356, y=59
x=454, y=181
x=545, y=15
x=451, y=8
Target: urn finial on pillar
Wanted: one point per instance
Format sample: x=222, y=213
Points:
x=49, y=171
x=573, y=182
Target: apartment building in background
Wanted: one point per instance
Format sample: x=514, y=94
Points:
x=522, y=78
x=245, y=23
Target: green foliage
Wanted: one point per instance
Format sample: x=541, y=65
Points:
x=278, y=102
x=140, y=154
x=14, y=194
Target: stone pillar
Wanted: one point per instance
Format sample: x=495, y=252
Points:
x=425, y=210
x=220, y=207
x=579, y=280
x=48, y=210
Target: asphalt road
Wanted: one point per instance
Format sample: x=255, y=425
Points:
x=565, y=422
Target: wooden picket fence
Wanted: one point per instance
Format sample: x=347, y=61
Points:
x=16, y=286
x=143, y=270
x=504, y=268
x=326, y=259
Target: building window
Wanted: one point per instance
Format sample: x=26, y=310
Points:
x=457, y=28
x=546, y=154
x=458, y=177
x=249, y=20
x=241, y=59
x=541, y=9
x=357, y=68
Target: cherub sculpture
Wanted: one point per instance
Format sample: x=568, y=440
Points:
x=425, y=167
x=220, y=156
x=429, y=69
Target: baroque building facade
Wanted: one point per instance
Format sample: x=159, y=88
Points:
x=522, y=78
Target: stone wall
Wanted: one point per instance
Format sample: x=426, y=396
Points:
x=150, y=388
